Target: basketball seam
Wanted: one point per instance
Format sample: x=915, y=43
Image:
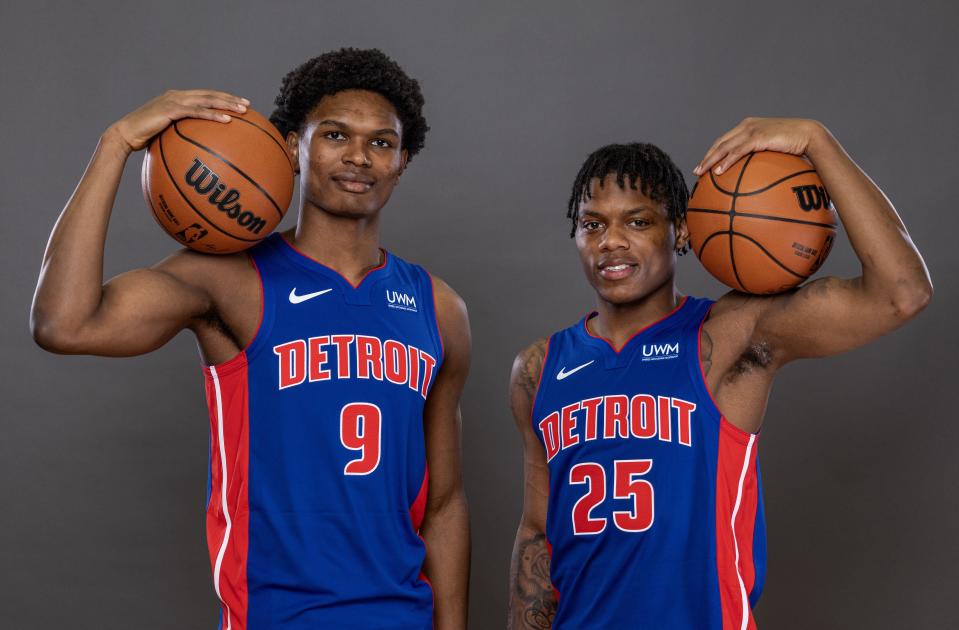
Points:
x=231, y=165
x=750, y=215
x=732, y=216
x=166, y=167
x=282, y=146
x=716, y=185
x=766, y=251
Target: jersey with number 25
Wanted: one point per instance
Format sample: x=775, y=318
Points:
x=655, y=509
x=317, y=462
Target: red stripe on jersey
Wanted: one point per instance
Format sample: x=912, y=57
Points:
x=418, y=509
x=227, y=520
x=737, y=496
x=549, y=550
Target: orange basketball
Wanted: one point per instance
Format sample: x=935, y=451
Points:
x=218, y=187
x=764, y=225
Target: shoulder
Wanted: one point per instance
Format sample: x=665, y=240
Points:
x=204, y=270
x=449, y=305
x=228, y=283
x=452, y=319
x=527, y=369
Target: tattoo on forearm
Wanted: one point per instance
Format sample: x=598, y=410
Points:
x=706, y=352
x=532, y=601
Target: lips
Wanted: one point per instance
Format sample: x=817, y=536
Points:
x=353, y=182
x=616, y=269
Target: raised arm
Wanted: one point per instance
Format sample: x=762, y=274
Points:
x=832, y=315
x=532, y=601
x=73, y=312
x=445, y=528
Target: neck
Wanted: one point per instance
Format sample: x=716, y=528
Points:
x=349, y=245
x=617, y=323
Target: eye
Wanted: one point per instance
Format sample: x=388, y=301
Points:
x=591, y=226
x=640, y=223
x=383, y=144
x=334, y=135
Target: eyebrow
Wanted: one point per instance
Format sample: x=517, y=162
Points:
x=630, y=212
x=386, y=131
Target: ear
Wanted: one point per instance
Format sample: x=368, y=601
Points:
x=293, y=146
x=682, y=234
x=404, y=158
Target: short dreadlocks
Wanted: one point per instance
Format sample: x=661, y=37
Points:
x=658, y=177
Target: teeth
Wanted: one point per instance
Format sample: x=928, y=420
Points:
x=616, y=268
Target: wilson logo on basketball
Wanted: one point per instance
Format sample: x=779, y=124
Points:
x=811, y=197
x=227, y=200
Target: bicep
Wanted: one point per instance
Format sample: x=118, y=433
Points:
x=824, y=317
x=139, y=311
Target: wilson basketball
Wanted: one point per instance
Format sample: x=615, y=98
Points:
x=218, y=187
x=764, y=225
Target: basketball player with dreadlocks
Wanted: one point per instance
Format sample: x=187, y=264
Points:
x=333, y=368
x=642, y=504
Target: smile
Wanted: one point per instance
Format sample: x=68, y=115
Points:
x=617, y=271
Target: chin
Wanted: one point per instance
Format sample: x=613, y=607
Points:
x=619, y=295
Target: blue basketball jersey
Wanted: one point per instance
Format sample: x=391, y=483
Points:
x=655, y=515
x=318, y=472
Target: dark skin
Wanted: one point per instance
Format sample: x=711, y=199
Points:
x=349, y=156
x=628, y=247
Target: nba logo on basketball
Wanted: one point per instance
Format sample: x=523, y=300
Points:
x=402, y=301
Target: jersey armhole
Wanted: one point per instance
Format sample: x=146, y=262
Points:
x=436, y=320
x=253, y=347
x=699, y=379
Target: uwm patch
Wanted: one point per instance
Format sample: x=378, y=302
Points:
x=402, y=298
x=660, y=351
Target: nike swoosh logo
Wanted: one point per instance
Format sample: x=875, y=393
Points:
x=563, y=373
x=296, y=299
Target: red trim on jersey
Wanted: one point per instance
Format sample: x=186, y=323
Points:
x=631, y=337
x=355, y=286
x=549, y=550
x=737, y=498
x=227, y=517
x=418, y=509
x=436, y=318
x=259, y=325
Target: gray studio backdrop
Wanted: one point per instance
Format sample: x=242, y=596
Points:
x=103, y=461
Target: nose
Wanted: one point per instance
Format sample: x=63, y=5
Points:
x=356, y=154
x=613, y=238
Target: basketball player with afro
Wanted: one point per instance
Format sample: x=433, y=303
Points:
x=642, y=504
x=333, y=368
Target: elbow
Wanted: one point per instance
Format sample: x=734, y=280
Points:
x=51, y=336
x=911, y=300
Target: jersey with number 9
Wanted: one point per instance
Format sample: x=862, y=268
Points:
x=318, y=472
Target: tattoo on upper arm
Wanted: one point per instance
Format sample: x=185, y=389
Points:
x=706, y=352
x=532, y=602
x=532, y=368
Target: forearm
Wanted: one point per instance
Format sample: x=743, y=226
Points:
x=532, y=601
x=446, y=533
x=71, y=276
x=892, y=268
